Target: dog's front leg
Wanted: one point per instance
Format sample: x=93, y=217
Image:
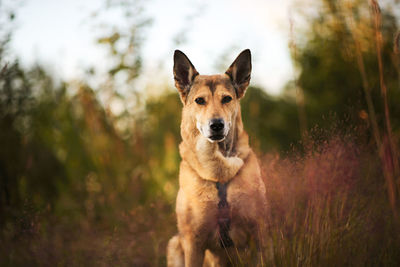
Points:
x=194, y=252
x=216, y=166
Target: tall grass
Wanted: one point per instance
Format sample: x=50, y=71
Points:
x=388, y=152
x=329, y=206
x=337, y=204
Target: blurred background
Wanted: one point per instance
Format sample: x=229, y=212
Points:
x=90, y=125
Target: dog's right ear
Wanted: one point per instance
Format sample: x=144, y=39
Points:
x=184, y=74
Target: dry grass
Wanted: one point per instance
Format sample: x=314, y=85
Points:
x=134, y=238
x=329, y=207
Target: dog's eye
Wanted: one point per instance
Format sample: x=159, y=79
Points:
x=226, y=99
x=200, y=101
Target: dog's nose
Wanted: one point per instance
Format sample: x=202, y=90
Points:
x=217, y=125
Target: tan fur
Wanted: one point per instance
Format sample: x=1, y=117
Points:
x=203, y=164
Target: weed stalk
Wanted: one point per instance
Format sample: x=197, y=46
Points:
x=387, y=152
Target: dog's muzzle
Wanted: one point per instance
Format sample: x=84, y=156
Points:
x=217, y=129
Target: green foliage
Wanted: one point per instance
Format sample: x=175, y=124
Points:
x=330, y=76
x=270, y=121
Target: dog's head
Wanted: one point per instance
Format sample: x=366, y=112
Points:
x=211, y=102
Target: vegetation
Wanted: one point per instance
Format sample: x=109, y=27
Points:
x=81, y=185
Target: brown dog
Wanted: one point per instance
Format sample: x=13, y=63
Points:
x=221, y=204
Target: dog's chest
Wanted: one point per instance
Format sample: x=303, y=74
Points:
x=214, y=196
x=230, y=214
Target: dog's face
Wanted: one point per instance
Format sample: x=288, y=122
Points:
x=214, y=104
x=211, y=102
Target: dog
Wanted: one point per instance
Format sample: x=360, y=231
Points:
x=221, y=205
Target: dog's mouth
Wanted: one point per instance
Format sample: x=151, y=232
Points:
x=212, y=136
x=217, y=137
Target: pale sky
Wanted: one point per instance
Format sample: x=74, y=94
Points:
x=61, y=35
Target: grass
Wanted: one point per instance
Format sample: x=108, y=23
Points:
x=329, y=207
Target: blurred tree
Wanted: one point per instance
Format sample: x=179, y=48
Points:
x=29, y=169
x=329, y=72
x=61, y=147
x=123, y=41
x=270, y=121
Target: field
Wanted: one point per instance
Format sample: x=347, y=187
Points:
x=82, y=185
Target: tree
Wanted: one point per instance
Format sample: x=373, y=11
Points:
x=329, y=71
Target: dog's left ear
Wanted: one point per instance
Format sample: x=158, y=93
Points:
x=240, y=72
x=184, y=74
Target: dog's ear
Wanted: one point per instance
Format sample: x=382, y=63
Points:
x=184, y=74
x=240, y=72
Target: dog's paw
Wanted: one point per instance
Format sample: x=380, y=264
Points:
x=243, y=152
x=235, y=163
x=232, y=166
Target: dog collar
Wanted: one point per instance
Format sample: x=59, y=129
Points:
x=224, y=216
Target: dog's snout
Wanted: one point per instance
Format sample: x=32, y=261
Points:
x=217, y=125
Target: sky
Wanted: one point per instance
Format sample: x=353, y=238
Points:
x=61, y=35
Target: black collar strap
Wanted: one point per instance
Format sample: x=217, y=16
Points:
x=224, y=216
